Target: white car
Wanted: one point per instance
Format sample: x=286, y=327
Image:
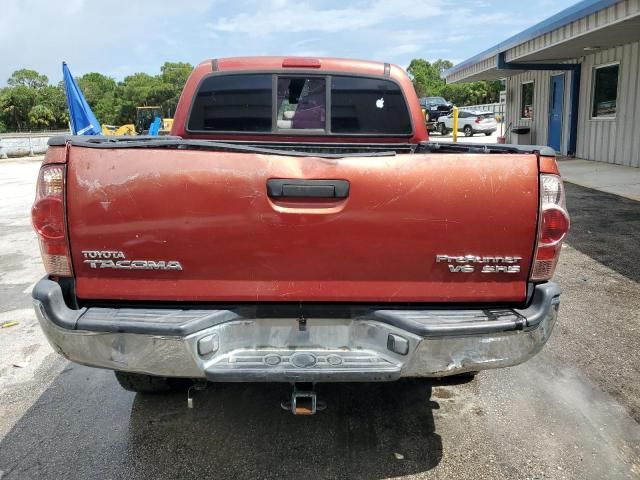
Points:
x=470, y=122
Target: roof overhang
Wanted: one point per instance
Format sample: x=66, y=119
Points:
x=588, y=26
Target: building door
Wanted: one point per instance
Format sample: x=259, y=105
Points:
x=556, y=107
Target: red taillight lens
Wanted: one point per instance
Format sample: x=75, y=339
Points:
x=48, y=218
x=553, y=227
x=478, y=119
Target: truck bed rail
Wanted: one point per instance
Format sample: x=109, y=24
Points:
x=295, y=149
x=324, y=150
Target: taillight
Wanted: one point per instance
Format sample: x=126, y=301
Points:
x=48, y=218
x=478, y=119
x=553, y=227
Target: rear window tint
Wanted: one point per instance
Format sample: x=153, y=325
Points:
x=486, y=115
x=244, y=103
x=368, y=105
x=235, y=103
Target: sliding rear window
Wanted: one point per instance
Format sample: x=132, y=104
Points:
x=301, y=103
x=233, y=103
x=249, y=103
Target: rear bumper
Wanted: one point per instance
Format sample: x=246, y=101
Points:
x=344, y=344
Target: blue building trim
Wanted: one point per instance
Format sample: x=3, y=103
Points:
x=565, y=17
x=576, y=73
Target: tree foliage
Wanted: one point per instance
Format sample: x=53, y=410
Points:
x=15, y=104
x=30, y=102
x=100, y=92
x=427, y=80
x=175, y=75
x=27, y=78
x=41, y=116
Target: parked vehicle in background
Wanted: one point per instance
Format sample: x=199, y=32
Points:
x=433, y=108
x=470, y=122
x=260, y=242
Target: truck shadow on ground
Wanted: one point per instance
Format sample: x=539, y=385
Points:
x=85, y=426
x=240, y=431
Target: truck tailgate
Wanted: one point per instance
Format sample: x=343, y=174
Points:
x=185, y=225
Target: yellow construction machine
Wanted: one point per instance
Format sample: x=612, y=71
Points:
x=144, y=117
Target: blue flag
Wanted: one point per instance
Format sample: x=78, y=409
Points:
x=83, y=121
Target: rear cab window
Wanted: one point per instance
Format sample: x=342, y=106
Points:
x=316, y=104
x=301, y=103
x=368, y=105
x=238, y=103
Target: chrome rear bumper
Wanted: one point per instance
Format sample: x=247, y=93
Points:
x=362, y=344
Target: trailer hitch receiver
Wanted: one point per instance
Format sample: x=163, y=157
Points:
x=303, y=400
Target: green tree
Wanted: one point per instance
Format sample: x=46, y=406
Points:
x=3, y=121
x=140, y=90
x=427, y=81
x=27, y=78
x=174, y=75
x=145, y=90
x=41, y=116
x=54, y=98
x=101, y=94
x=426, y=77
x=95, y=85
x=442, y=66
x=15, y=105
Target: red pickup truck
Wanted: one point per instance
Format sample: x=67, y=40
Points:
x=297, y=226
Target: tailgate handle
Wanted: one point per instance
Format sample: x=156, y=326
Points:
x=291, y=187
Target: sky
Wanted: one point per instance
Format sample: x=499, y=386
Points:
x=121, y=37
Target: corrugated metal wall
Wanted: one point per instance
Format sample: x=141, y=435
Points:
x=613, y=140
x=539, y=124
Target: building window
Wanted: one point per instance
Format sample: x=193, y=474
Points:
x=605, y=91
x=526, y=100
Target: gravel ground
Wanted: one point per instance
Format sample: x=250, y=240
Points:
x=571, y=412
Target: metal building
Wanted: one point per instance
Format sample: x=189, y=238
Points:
x=574, y=79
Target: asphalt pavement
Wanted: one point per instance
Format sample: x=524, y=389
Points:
x=571, y=412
